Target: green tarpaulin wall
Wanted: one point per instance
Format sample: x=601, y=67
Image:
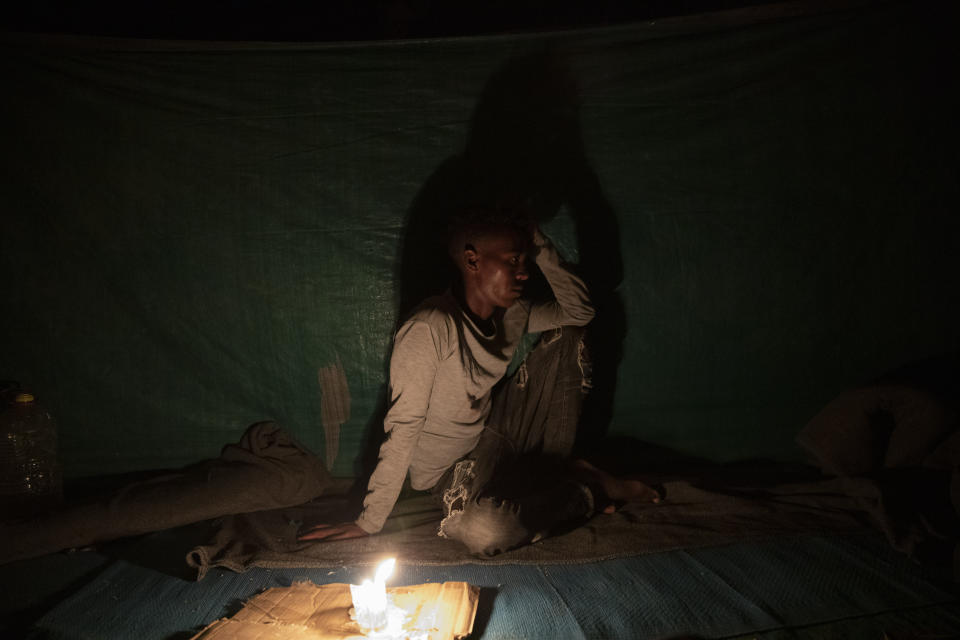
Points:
x=764, y=201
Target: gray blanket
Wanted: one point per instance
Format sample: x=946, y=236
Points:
x=689, y=517
x=266, y=469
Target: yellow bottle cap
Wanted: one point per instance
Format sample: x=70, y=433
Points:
x=23, y=398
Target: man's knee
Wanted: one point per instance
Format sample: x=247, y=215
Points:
x=486, y=526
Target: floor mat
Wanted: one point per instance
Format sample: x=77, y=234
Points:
x=776, y=586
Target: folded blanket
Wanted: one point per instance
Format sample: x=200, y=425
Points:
x=896, y=444
x=266, y=469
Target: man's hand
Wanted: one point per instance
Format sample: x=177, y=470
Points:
x=536, y=237
x=328, y=532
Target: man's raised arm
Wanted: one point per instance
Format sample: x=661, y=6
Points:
x=571, y=305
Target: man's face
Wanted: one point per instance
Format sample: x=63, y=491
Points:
x=501, y=261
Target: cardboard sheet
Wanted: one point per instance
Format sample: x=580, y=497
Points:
x=438, y=611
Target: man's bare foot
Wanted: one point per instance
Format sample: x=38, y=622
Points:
x=616, y=490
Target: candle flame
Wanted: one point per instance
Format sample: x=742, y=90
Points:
x=384, y=570
x=372, y=609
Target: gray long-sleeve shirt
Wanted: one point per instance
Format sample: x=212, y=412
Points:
x=442, y=371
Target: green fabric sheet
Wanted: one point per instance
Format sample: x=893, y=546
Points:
x=763, y=200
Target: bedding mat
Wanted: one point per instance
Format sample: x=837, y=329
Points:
x=690, y=516
x=776, y=588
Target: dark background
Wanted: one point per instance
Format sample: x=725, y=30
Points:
x=309, y=21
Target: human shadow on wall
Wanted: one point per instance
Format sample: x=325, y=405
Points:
x=524, y=150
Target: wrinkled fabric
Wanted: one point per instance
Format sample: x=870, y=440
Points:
x=895, y=445
x=266, y=469
x=691, y=516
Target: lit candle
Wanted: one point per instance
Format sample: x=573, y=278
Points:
x=370, y=598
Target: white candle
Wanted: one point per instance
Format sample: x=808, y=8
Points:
x=370, y=598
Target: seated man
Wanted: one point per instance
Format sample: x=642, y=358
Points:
x=495, y=454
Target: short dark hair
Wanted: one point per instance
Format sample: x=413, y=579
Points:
x=471, y=223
